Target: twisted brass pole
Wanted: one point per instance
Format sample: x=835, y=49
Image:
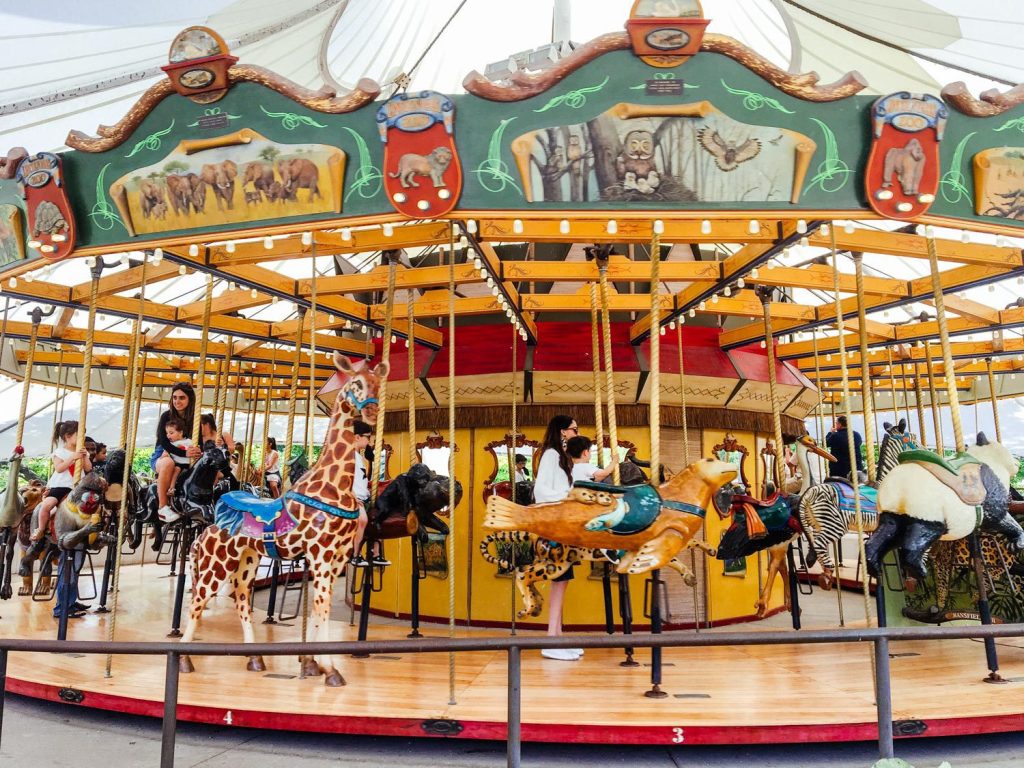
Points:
x=451, y=461
x=293, y=390
x=655, y=332
x=595, y=360
x=609, y=370
x=90, y=331
x=919, y=404
x=947, y=352
x=865, y=370
x=411, y=340
x=197, y=433
x=995, y=399
x=933, y=399
x=765, y=294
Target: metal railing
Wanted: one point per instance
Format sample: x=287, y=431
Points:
x=513, y=646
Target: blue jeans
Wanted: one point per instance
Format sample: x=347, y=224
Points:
x=79, y=562
x=157, y=453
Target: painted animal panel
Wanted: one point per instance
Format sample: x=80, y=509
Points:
x=698, y=154
x=11, y=246
x=252, y=180
x=999, y=183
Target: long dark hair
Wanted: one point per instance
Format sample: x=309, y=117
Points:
x=63, y=429
x=553, y=439
x=272, y=443
x=189, y=415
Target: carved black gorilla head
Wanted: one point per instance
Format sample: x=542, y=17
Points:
x=415, y=496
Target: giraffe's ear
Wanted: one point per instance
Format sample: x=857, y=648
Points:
x=381, y=371
x=343, y=364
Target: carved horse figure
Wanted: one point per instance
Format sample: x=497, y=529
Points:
x=770, y=524
x=927, y=498
x=315, y=519
x=653, y=525
x=827, y=510
x=195, y=490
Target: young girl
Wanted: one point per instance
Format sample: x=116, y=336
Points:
x=361, y=490
x=64, y=459
x=552, y=483
x=272, y=468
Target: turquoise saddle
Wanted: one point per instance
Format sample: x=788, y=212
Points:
x=643, y=504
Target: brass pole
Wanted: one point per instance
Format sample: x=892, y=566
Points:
x=411, y=341
x=947, y=352
x=655, y=378
x=83, y=407
x=865, y=370
x=197, y=433
x=595, y=360
x=995, y=400
x=933, y=399
x=609, y=371
x=919, y=404
x=765, y=295
x=293, y=390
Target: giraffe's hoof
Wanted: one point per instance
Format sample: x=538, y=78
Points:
x=309, y=666
x=825, y=581
x=185, y=665
x=256, y=664
x=334, y=679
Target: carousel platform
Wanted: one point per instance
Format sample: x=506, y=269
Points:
x=746, y=695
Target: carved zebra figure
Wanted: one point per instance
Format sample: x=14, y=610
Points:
x=827, y=510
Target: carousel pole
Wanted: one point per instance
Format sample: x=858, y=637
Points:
x=238, y=387
x=960, y=446
x=311, y=394
x=655, y=425
x=294, y=388
x=933, y=399
x=765, y=294
x=266, y=418
x=510, y=456
x=391, y=257
x=201, y=374
x=686, y=461
x=133, y=394
x=821, y=401
x=451, y=461
x=90, y=332
x=918, y=404
x=61, y=387
x=892, y=386
x=609, y=370
x=595, y=359
x=851, y=446
x=866, y=390
x=994, y=398
x=221, y=399
x=414, y=599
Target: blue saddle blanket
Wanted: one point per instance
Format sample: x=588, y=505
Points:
x=868, y=499
x=637, y=507
x=241, y=512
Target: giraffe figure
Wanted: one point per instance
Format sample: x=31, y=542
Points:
x=316, y=518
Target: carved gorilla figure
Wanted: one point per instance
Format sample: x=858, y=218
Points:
x=907, y=163
x=409, y=504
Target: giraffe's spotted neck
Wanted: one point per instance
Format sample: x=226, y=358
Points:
x=337, y=460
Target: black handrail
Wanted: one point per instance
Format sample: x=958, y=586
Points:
x=879, y=637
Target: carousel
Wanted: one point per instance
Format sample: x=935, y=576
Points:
x=661, y=242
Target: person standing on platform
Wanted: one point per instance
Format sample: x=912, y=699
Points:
x=552, y=483
x=837, y=442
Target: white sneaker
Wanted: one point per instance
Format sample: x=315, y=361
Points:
x=561, y=654
x=167, y=515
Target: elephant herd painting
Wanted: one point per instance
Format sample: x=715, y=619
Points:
x=245, y=182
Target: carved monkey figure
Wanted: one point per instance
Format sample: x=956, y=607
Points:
x=907, y=163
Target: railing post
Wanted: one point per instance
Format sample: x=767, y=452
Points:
x=3, y=689
x=170, y=723
x=883, y=697
x=514, y=707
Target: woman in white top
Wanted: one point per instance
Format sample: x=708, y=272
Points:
x=272, y=468
x=552, y=483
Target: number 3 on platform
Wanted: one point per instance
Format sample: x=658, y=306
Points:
x=678, y=736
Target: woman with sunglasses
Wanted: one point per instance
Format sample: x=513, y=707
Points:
x=553, y=482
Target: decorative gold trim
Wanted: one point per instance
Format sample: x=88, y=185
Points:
x=243, y=136
x=120, y=197
x=323, y=100
x=991, y=102
x=522, y=86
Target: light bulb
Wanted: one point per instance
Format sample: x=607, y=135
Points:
x=477, y=264
x=273, y=299
x=158, y=255
x=193, y=250
x=253, y=293
x=763, y=344
x=231, y=286
x=804, y=242
x=230, y=247
x=182, y=270
x=517, y=226
x=714, y=298
x=753, y=228
x=471, y=226
x=702, y=306
x=1001, y=241
x=29, y=277
x=389, y=230
x=824, y=230
x=268, y=243
x=659, y=227
x=965, y=236
x=672, y=325
x=693, y=312
x=740, y=283
x=929, y=231
x=346, y=234
x=612, y=227
x=848, y=228
x=330, y=318
x=705, y=227
x=828, y=358
x=661, y=330
x=801, y=226
x=727, y=291
x=753, y=273
x=563, y=226
x=12, y=283
x=307, y=238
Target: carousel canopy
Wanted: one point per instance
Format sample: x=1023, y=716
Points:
x=524, y=228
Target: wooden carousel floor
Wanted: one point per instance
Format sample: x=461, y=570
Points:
x=717, y=695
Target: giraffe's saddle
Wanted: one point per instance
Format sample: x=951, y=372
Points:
x=263, y=519
x=961, y=474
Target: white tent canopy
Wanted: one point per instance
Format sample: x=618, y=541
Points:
x=78, y=65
